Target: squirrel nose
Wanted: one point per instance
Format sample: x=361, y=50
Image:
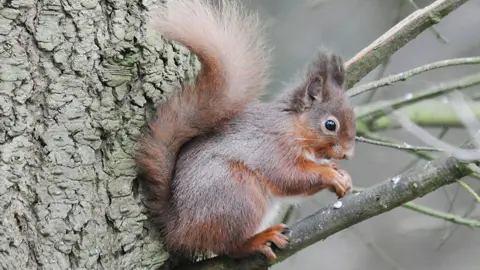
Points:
x=348, y=154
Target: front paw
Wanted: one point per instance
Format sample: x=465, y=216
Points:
x=327, y=163
x=341, y=184
x=334, y=165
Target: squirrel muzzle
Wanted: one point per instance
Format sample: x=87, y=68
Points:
x=339, y=151
x=349, y=153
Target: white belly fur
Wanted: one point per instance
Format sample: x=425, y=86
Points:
x=276, y=204
x=270, y=216
x=275, y=207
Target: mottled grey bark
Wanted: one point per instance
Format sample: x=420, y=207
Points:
x=76, y=78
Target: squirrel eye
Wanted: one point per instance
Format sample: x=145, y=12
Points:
x=330, y=125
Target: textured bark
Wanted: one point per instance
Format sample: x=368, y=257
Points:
x=76, y=79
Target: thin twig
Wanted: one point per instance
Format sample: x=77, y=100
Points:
x=376, y=249
x=438, y=214
x=427, y=138
x=469, y=189
x=381, y=73
x=385, y=64
x=410, y=73
x=416, y=160
x=473, y=223
x=456, y=226
x=474, y=168
x=403, y=146
x=362, y=130
x=452, y=201
x=376, y=109
x=466, y=114
x=394, y=39
x=288, y=214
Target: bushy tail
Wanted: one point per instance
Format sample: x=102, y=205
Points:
x=227, y=40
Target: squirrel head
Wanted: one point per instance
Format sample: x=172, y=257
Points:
x=324, y=115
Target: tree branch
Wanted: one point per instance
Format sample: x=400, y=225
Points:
x=473, y=223
x=377, y=109
x=410, y=73
x=432, y=28
x=394, y=39
x=353, y=209
x=362, y=130
x=404, y=146
x=469, y=189
x=374, y=136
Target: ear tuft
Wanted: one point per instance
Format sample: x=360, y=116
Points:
x=337, y=70
x=329, y=66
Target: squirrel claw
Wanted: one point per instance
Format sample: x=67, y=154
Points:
x=268, y=252
x=265, y=242
x=278, y=236
x=275, y=235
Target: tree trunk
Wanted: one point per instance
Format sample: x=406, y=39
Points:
x=76, y=81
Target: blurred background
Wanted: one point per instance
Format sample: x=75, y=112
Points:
x=400, y=239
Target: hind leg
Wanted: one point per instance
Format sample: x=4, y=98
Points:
x=261, y=242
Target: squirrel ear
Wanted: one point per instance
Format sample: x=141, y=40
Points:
x=304, y=96
x=314, y=88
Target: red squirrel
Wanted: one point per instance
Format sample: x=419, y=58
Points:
x=216, y=161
